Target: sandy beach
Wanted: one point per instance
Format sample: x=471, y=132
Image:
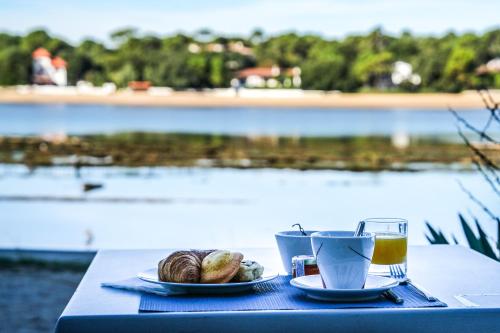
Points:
x=464, y=100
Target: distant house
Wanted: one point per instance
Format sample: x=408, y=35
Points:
x=42, y=66
x=47, y=70
x=491, y=67
x=214, y=47
x=403, y=72
x=270, y=77
x=240, y=48
x=194, y=48
x=60, y=75
x=234, y=46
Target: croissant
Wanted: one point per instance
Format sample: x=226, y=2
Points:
x=182, y=266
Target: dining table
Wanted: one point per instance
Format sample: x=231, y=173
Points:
x=467, y=281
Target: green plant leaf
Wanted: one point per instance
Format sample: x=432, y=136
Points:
x=483, y=238
x=430, y=240
x=436, y=237
x=474, y=242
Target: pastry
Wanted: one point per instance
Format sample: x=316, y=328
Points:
x=220, y=266
x=182, y=266
x=249, y=270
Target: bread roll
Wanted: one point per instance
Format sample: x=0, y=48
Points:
x=220, y=266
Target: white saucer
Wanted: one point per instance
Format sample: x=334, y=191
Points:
x=374, y=287
x=151, y=275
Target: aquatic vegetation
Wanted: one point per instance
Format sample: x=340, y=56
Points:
x=179, y=149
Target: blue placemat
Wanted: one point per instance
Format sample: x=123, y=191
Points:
x=277, y=294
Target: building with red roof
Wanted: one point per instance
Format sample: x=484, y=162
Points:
x=270, y=77
x=263, y=72
x=58, y=62
x=40, y=53
x=47, y=70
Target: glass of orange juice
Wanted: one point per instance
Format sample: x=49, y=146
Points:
x=391, y=245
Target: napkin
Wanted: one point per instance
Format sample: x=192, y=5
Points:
x=136, y=284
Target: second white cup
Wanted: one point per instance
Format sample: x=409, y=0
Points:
x=343, y=259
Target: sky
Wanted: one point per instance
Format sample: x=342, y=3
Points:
x=76, y=20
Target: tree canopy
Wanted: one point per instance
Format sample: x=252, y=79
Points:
x=447, y=63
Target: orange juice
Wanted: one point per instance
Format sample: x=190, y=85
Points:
x=390, y=249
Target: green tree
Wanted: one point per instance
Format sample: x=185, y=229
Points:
x=122, y=35
x=14, y=68
x=124, y=75
x=459, y=68
x=256, y=36
x=286, y=50
x=216, y=71
x=88, y=61
x=371, y=67
x=325, y=67
x=197, y=70
x=35, y=39
x=446, y=63
x=323, y=74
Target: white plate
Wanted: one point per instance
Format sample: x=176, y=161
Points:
x=151, y=275
x=374, y=287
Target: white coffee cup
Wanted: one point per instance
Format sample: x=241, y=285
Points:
x=293, y=243
x=343, y=259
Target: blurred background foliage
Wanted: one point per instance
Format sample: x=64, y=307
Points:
x=447, y=63
x=486, y=164
x=479, y=242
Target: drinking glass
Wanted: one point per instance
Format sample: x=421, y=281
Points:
x=391, y=245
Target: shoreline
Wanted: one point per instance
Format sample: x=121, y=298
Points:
x=304, y=99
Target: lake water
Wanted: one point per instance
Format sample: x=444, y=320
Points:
x=206, y=208
x=83, y=119
x=195, y=207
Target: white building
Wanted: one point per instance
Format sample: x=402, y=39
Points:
x=59, y=74
x=47, y=70
x=403, y=72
